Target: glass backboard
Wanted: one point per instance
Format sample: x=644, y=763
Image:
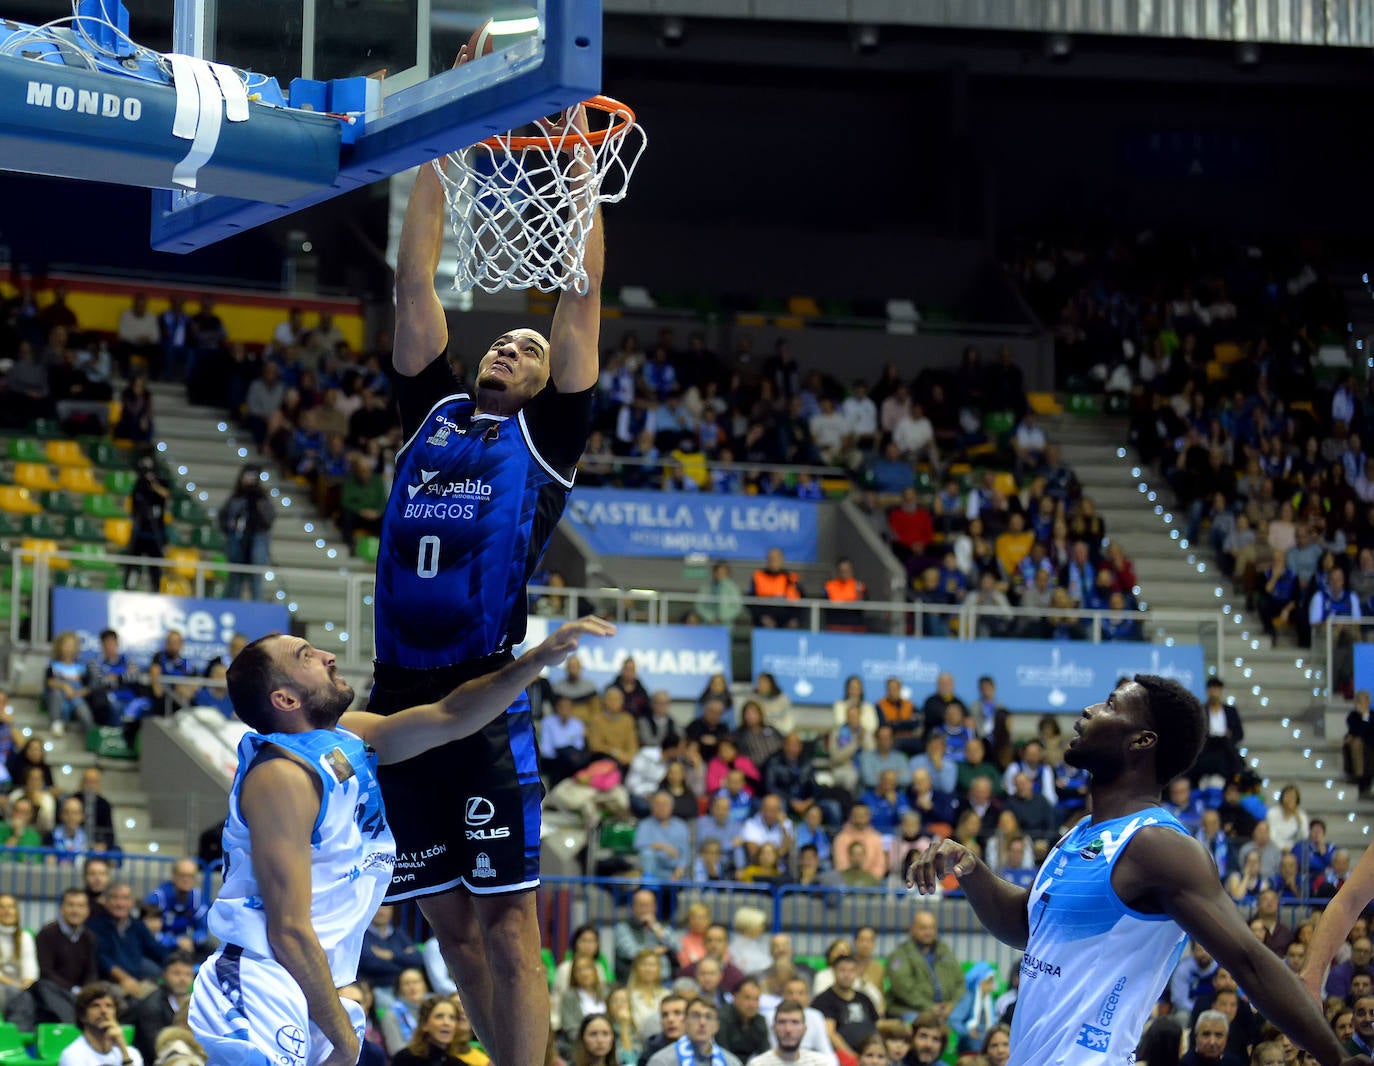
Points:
x=544, y=55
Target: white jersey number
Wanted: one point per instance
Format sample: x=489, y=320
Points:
x=427, y=565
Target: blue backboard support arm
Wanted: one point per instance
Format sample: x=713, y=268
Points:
x=421, y=123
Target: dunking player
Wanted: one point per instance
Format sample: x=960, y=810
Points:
x=480, y=483
x=308, y=853
x=1116, y=899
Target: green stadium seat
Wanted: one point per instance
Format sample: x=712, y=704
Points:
x=180, y=536
x=61, y=503
x=618, y=837
x=367, y=547
x=207, y=538
x=120, y=482
x=105, y=506
x=995, y=423
x=93, y=558
x=90, y=530
x=52, y=1038
x=12, y=1042
x=107, y=456
x=52, y=527
x=185, y=509
x=46, y=429
x=26, y=450
x=1084, y=404
x=11, y=525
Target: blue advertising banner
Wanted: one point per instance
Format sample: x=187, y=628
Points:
x=142, y=620
x=1364, y=666
x=1031, y=675
x=673, y=524
x=680, y=659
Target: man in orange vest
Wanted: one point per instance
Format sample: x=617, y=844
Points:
x=844, y=587
x=775, y=583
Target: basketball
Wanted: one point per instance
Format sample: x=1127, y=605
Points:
x=482, y=42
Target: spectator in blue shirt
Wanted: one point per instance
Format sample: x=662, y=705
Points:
x=127, y=952
x=884, y=756
x=662, y=842
x=719, y=823
x=942, y=767
x=386, y=953
x=68, y=836
x=1315, y=853
x=1120, y=624
x=811, y=832
x=184, y=907
x=1279, y=595
x=886, y=803
x=889, y=475
x=562, y=742
x=1183, y=805
x=116, y=680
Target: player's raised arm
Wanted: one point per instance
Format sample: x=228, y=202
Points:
x=575, y=339
x=1164, y=868
x=473, y=704
x=421, y=328
x=1335, y=923
x=279, y=801
x=999, y=905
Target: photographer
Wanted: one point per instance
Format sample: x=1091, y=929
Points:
x=101, y=1042
x=148, y=509
x=246, y=521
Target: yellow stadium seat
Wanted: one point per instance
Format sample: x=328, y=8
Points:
x=789, y=322
x=80, y=479
x=959, y=469
x=1005, y=483
x=186, y=558
x=804, y=306
x=119, y=531
x=37, y=476
x=40, y=546
x=67, y=453
x=1227, y=352
x=748, y=318
x=1044, y=403
x=15, y=499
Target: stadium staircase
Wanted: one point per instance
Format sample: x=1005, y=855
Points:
x=1278, y=691
x=206, y=453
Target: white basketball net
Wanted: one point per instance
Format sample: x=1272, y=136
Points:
x=521, y=208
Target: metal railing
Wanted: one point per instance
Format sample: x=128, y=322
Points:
x=351, y=593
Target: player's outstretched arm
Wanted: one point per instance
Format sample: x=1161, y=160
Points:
x=1165, y=869
x=280, y=801
x=473, y=704
x=1336, y=921
x=1000, y=905
x=575, y=338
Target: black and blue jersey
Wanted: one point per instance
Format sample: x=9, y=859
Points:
x=475, y=500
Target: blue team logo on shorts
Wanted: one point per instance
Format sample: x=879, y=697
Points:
x=1093, y=1038
x=291, y=1040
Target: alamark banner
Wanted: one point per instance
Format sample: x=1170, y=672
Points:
x=680, y=659
x=674, y=524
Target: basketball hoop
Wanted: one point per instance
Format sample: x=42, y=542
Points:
x=521, y=205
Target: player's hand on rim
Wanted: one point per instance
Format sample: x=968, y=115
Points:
x=925, y=871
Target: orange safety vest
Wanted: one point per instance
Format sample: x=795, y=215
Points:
x=779, y=586
x=849, y=591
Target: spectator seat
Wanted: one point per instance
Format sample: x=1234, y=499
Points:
x=35, y=475
x=26, y=450
x=41, y=546
x=66, y=453
x=80, y=479
x=118, y=531
x=51, y=526
x=103, y=505
x=120, y=482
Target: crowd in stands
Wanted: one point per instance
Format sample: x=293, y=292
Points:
x=1015, y=532
x=1232, y=365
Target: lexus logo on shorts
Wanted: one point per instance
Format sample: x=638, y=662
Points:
x=479, y=810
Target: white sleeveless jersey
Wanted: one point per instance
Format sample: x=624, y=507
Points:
x=351, y=851
x=1093, y=967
